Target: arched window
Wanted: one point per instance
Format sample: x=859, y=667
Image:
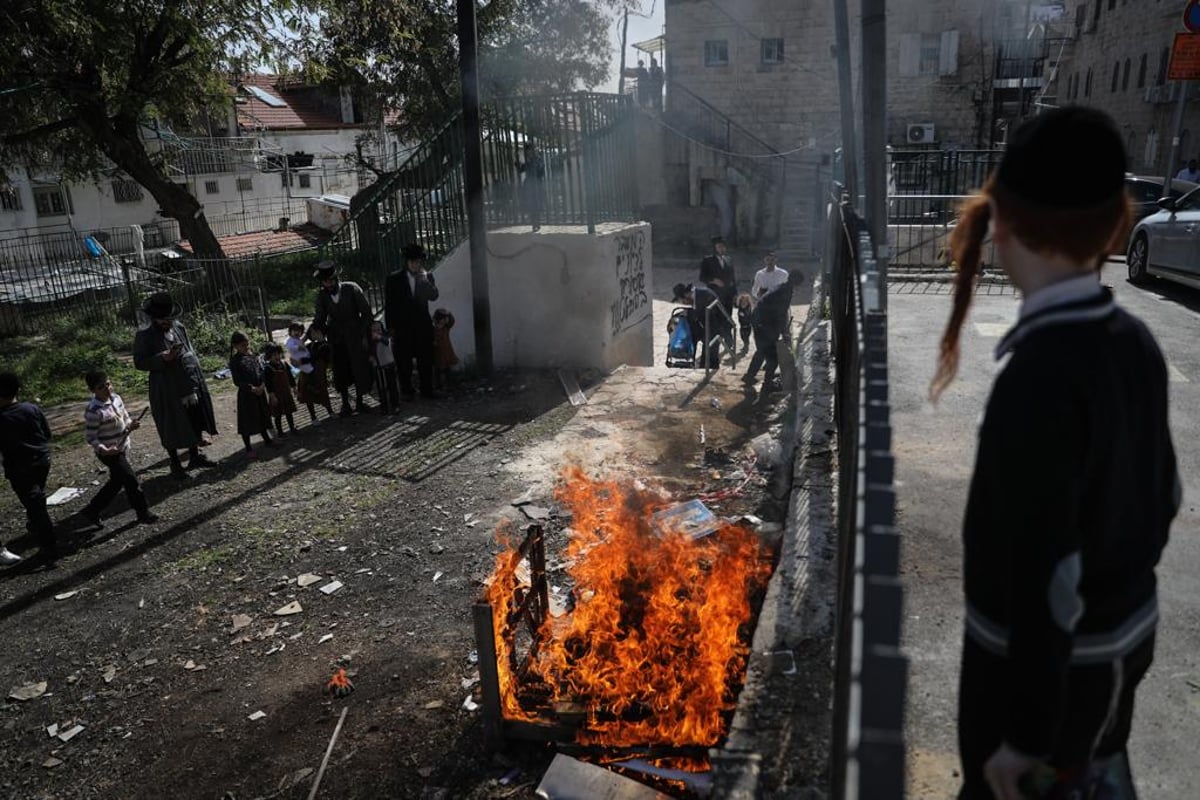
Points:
x=1087, y=86
x=1150, y=155
x=1142, y=72
x=1116, y=75
x=1125, y=77
x=1164, y=58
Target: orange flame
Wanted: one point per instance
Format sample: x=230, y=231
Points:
x=654, y=644
x=339, y=685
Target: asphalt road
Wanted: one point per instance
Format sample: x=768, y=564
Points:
x=935, y=449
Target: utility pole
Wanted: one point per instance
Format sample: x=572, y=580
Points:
x=841, y=24
x=875, y=183
x=468, y=65
x=624, y=34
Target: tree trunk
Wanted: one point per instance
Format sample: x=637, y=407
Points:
x=121, y=141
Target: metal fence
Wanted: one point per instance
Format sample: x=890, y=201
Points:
x=919, y=228
x=108, y=288
x=942, y=172
x=586, y=144
x=870, y=673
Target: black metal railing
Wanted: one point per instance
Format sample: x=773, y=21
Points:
x=1021, y=58
x=585, y=141
x=870, y=673
x=942, y=172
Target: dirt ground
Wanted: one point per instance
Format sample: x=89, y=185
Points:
x=133, y=631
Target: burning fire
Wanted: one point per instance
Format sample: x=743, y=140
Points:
x=654, y=644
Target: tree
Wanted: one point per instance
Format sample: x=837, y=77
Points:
x=407, y=56
x=82, y=77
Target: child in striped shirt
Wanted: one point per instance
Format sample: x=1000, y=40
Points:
x=107, y=426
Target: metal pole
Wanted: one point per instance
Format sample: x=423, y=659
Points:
x=841, y=22
x=473, y=177
x=874, y=74
x=624, y=34
x=1176, y=129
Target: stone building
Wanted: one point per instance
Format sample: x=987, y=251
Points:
x=1119, y=64
x=755, y=77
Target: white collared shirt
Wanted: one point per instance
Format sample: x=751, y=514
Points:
x=1080, y=287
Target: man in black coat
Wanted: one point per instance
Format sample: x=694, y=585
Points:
x=770, y=321
x=717, y=273
x=407, y=295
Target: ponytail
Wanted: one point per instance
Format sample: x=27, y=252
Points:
x=966, y=247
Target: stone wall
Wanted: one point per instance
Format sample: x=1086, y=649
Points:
x=559, y=298
x=1144, y=113
x=794, y=104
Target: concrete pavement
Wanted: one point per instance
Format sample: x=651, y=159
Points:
x=935, y=451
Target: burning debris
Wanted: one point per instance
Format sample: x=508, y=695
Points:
x=339, y=685
x=653, y=647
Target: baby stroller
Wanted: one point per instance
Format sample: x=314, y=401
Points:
x=681, y=346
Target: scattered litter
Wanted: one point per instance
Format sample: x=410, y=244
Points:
x=67, y=736
x=473, y=657
x=142, y=603
x=715, y=402
x=52, y=762
x=149, y=662
x=52, y=729
x=29, y=691
x=222, y=374
x=524, y=499
x=295, y=778
x=432, y=704
x=783, y=661
x=467, y=683
x=240, y=621
x=293, y=607
x=436, y=529
x=437, y=549
x=703, y=438
x=437, y=575
x=472, y=523
x=325, y=638
x=257, y=715
x=692, y=519
x=276, y=649
x=362, y=571
x=343, y=549
x=331, y=587
x=308, y=579
x=510, y=776
x=110, y=672
x=64, y=494
x=192, y=666
x=469, y=704
x=339, y=685
x=751, y=519
x=535, y=513
x=570, y=385
x=66, y=595
x=295, y=636
x=467, y=517
x=269, y=632
x=569, y=778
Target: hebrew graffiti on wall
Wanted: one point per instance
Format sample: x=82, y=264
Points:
x=633, y=302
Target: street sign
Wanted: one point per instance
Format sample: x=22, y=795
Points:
x=1185, y=57
x=1191, y=16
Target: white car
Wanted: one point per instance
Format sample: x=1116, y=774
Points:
x=1166, y=244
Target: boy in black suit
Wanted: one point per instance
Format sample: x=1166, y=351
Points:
x=407, y=295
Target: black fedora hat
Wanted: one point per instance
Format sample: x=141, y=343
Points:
x=413, y=252
x=160, y=306
x=326, y=269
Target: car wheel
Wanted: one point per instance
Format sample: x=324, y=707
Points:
x=1138, y=259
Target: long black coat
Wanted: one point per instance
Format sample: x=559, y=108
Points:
x=253, y=412
x=348, y=323
x=407, y=315
x=172, y=383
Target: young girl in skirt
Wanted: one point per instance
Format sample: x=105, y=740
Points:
x=253, y=412
x=279, y=381
x=312, y=387
x=444, y=356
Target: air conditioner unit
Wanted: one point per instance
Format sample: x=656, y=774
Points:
x=921, y=133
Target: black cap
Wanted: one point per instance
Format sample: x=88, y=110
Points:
x=1065, y=158
x=326, y=269
x=413, y=252
x=160, y=306
x=679, y=291
x=717, y=240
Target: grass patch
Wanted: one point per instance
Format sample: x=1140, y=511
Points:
x=202, y=559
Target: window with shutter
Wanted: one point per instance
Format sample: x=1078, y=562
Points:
x=910, y=54
x=948, y=57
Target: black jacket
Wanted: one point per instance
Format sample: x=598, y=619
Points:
x=770, y=315
x=405, y=313
x=1074, y=489
x=24, y=438
x=714, y=266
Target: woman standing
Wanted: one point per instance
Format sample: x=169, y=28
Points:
x=1075, y=481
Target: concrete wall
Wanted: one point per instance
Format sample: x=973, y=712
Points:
x=1144, y=112
x=559, y=298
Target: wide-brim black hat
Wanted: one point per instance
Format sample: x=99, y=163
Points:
x=160, y=306
x=326, y=269
x=413, y=252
